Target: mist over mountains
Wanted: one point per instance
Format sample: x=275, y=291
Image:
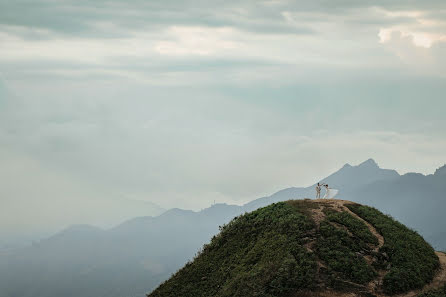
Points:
x=132, y=258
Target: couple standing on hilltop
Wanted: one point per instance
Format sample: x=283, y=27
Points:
x=329, y=192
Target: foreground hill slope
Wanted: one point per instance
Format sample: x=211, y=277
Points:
x=310, y=248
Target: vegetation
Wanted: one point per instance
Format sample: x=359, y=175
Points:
x=339, y=252
x=412, y=261
x=344, y=253
x=357, y=227
x=256, y=254
x=441, y=292
x=279, y=250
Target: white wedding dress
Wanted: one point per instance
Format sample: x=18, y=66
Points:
x=330, y=193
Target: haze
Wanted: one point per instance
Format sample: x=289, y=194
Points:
x=106, y=105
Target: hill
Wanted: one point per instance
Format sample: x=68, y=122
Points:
x=307, y=247
x=136, y=256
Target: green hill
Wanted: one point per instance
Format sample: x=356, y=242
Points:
x=307, y=247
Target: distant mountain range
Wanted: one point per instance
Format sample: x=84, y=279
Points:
x=134, y=257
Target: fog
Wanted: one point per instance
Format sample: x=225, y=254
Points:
x=114, y=110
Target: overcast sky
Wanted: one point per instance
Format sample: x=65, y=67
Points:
x=181, y=103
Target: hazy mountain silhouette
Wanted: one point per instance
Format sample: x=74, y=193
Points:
x=347, y=179
x=134, y=257
x=415, y=199
x=128, y=260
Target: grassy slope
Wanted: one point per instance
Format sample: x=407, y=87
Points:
x=413, y=261
x=265, y=253
x=256, y=254
x=341, y=252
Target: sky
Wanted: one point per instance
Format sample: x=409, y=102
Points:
x=109, y=109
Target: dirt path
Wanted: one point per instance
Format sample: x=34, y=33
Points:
x=318, y=216
x=340, y=205
x=440, y=279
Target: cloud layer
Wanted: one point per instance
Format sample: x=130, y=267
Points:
x=185, y=102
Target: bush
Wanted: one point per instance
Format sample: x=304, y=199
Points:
x=256, y=254
x=413, y=261
x=339, y=251
x=357, y=227
x=274, y=251
x=441, y=292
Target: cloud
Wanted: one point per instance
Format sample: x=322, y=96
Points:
x=180, y=103
x=424, y=31
x=197, y=41
x=116, y=18
x=114, y=39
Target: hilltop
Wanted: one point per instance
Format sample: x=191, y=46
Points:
x=311, y=248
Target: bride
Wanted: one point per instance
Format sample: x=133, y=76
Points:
x=329, y=192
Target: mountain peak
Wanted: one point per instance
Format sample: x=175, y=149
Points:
x=369, y=163
x=441, y=170
x=359, y=175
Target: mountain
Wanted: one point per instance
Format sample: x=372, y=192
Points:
x=134, y=257
x=127, y=260
x=347, y=179
x=309, y=248
x=350, y=178
x=416, y=200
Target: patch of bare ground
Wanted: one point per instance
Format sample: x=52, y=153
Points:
x=316, y=212
x=318, y=216
x=327, y=293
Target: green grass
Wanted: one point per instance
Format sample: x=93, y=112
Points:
x=413, y=261
x=256, y=254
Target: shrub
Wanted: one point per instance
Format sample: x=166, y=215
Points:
x=274, y=251
x=440, y=292
x=357, y=227
x=413, y=261
x=339, y=251
x=256, y=254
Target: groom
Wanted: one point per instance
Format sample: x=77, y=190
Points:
x=318, y=191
